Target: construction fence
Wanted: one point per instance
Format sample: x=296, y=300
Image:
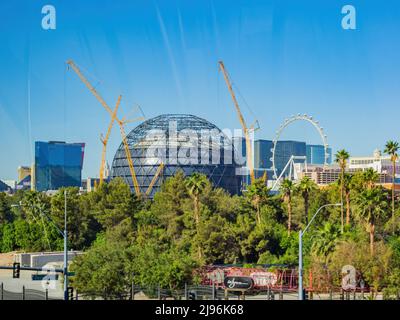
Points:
x=194, y=292
x=201, y=292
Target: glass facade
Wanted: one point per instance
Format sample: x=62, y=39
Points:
x=3, y=186
x=57, y=165
x=316, y=154
x=263, y=154
x=286, y=149
x=182, y=142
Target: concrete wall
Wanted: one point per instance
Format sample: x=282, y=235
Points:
x=39, y=259
x=24, y=259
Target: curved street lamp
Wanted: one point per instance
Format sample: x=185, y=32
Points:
x=301, y=233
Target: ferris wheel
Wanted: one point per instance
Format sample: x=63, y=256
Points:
x=289, y=121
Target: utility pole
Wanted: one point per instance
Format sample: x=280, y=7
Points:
x=301, y=233
x=301, y=297
x=65, y=248
x=64, y=234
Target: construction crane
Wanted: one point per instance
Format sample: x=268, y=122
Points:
x=154, y=180
x=104, y=141
x=120, y=122
x=246, y=130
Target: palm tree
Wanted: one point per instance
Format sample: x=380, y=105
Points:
x=391, y=148
x=371, y=206
x=196, y=184
x=325, y=240
x=341, y=158
x=258, y=193
x=370, y=177
x=304, y=187
x=347, y=186
x=286, y=189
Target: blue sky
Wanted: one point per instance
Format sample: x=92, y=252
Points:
x=285, y=57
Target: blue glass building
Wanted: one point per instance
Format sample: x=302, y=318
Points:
x=263, y=154
x=316, y=154
x=285, y=149
x=3, y=186
x=57, y=165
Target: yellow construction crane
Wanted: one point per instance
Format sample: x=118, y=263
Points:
x=246, y=130
x=104, y=141
x=153, y=182
x=120, y=122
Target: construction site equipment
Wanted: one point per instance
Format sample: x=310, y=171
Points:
x=154, y=180
x=104, y=141
x=246, y=130
x=120, y=122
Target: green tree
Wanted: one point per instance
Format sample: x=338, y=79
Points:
x=325, y=240
x=371, y=207
x=391, y=148
x=196, y=184
x=7, y=237
x=113, y=202
x=370, y=177
x=287, y=188
x=79, y=221
x=305, y=187
x=218, y=241
x=102, y=270
x=374, y=269
x=35, y=205
x=258, y=193
x=155, y=264
x=347, y=184
x=5, y=209
x=169, y=206
x=341, y=158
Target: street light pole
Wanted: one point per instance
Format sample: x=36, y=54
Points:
x=301, y=297
x=301, y=233
x=65, y=236
x=65, y=248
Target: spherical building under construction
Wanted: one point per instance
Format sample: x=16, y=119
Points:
x=163, y=145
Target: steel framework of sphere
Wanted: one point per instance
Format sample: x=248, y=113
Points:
x=144, y=137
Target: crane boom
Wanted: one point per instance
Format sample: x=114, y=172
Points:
x=154, y=180
x=249, y=152
x=129, y=158
x=105, y=140
x=121, y=123
x=90, y=87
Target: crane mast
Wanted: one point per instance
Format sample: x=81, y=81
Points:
x=154, y=180
x=120, y=122
x=129, y=157
x=249, y=152
x=105, y=141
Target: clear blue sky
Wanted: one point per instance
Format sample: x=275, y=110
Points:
x=286, y=57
